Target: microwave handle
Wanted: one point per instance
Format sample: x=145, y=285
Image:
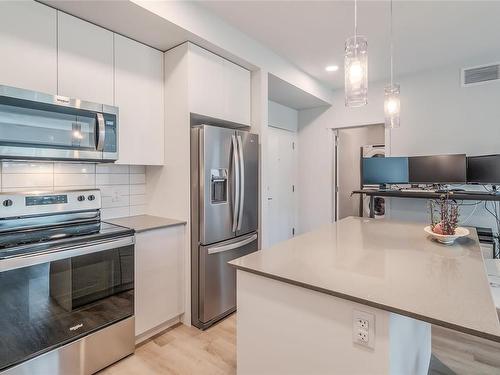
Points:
x=101, y=132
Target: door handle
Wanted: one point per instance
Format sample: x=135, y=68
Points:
x=242, y=180
x=101, y=132
x=63, y=252
x=236, y=202
x=232, y=246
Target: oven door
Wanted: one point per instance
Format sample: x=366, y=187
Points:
x=50, y=299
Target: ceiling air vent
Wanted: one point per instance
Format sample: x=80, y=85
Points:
x=480, y=74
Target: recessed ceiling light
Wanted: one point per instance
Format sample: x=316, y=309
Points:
x=332, y=68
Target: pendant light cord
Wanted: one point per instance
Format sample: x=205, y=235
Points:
x=392, y=51
x=355, y=20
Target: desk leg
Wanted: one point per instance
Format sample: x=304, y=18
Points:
x=372, y=206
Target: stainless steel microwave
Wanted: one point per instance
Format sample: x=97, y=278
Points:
x=36, y=125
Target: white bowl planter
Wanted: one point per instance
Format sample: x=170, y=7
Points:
x=447, y=239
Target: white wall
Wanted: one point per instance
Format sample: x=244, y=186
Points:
x=437, y=116
x=283, y=117
x=123, y=187
x=315, y=156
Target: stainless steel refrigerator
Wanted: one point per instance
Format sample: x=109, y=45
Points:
x=224, y=216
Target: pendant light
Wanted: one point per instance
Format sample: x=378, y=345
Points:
x=392, y=104
x=356, y=67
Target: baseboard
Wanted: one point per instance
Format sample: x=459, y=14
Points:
x=140, y=339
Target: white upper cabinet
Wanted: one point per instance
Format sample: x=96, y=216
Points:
x=85, y=65
x=139, y=96
x=28, y=40
x=217, y=87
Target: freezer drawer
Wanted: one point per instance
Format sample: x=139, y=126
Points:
x=217, y=282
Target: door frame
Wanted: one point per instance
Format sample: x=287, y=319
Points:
x=335, y=174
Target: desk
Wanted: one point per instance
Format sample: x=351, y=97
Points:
x=423, y=195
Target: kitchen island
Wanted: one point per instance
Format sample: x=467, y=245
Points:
x=299, y=302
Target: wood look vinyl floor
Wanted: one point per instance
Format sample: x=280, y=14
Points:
x=184, y=350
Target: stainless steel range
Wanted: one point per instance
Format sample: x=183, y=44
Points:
x=66, y=285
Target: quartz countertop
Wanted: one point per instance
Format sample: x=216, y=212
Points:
x=390, y=265
x=141, y=223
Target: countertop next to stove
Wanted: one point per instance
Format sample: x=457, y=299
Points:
x=141, y=223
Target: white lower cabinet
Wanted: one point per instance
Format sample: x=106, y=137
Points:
x=158, y=278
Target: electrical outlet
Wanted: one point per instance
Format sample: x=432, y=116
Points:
x=363, y=324
x=362, y=336
x=363, y=328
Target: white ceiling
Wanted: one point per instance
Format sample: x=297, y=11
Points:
x=311, y=34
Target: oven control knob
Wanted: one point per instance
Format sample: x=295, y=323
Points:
x=81, y=198
x=7, y=203
x=91, y=197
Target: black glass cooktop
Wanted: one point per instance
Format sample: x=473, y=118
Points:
x=17, y=243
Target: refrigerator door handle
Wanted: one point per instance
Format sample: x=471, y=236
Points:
x=236, y=166
x=232, y=246
x=242, y=181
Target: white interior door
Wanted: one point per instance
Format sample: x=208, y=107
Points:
x=282, y=188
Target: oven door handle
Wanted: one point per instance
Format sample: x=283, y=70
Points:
x=59, y=253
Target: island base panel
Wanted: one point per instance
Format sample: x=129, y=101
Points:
x=287, y=329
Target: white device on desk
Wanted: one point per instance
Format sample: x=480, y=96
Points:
x=373, y=151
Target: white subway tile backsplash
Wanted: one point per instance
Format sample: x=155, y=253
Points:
x=74, y=179
x=137, y=200
x=135, y=169
x=123, y=187
x=25, y=189
x=74, y=168
x=111, y=190
x=137, y=179
x=112, y=179
x=112, y=168
x=23, y=167
x=116, y=201
x=110, y=213
x=137, y=210
x=138, y=189
x=26, y=180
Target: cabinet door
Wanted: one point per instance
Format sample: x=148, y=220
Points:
x=158, y=277
x=238, y=93
x=218, y=87
x=28, y=40
x=207, y=86
x=85, y=64
x=139, y=96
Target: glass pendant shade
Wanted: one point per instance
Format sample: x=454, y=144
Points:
x=356, y=71
x=392, y=106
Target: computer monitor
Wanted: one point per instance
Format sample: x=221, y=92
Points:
x=437, y=169
x=390, y=170
x=483, y=169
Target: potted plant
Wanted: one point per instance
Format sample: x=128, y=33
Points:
x=444, y=215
